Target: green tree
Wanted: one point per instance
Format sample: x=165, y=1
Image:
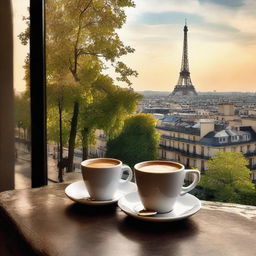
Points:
x=22, y=114
x=108, y=108
x=137, y=142
x=227, y=177
x=60, y=98
x=80, y=33
x=81, y=37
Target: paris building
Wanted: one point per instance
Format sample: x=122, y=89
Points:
x=193, y=143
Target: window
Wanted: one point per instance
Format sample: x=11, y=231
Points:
x=188, y=163
x=209, y=150
x=21, y=100
x=234, y=138
x=250, y=162
x=163, y=154
x=58, y=149
x=202, y=165
x=223, y=139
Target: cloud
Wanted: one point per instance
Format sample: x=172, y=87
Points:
x=227, y=3
x=217, y=19
x=222, y=39
x=239, y=14
x=155, y=18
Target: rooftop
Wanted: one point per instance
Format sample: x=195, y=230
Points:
x=222, y=135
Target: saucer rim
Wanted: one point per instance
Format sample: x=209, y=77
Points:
x=95, y=202
x=133, y=214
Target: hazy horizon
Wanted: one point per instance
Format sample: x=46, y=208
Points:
x=221, y=43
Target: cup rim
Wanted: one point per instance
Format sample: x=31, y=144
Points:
x=182, y=167
x=85, y=162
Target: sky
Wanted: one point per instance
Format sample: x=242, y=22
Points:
x=221, y=43
x=20, y=51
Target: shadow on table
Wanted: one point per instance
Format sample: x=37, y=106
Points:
x=76, y=211
x=142, y=238
x=159, y=238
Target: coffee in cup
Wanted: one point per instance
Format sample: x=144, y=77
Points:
x=102, y=177
x=160, y=183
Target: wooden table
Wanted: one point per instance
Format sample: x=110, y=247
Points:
x=44, y=222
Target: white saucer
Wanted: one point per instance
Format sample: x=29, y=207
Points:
x=77, y=192
x=184, y=207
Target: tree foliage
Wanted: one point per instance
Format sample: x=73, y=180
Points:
x=137, y=142
x=81, y=37
x=60, y=95
x=81, y=41
x=228, y=178
x=78, y=30
x=108, y=107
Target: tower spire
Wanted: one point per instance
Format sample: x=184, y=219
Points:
x=184, y=85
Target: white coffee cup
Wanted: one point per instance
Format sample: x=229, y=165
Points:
x=102, y=177
x=160, y=183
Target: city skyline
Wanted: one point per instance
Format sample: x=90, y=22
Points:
x=221, y=44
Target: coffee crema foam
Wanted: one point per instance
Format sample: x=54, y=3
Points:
x=158, y=168
x=102, y=164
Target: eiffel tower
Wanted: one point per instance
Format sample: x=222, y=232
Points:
x=184, y=86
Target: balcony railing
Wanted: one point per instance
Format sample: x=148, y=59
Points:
x=184, y=152
x=179, y=139
x=252, y=167
x=190, y=130
x=250, y=153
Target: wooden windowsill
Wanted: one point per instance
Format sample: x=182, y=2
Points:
x=44, y=221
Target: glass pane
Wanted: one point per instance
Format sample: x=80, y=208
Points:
x=22, y=98
x=92, y=66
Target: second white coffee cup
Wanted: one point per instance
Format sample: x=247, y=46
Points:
x=160, y=183
x=102, y=177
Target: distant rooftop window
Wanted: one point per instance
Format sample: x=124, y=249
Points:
x=234, y=138
x=223, y=139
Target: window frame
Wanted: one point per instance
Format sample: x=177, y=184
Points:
x=39, y=172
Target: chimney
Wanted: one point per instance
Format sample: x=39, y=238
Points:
x=226, y=109
x=206, y=126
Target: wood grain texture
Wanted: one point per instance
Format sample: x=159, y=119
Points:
x=51, y=224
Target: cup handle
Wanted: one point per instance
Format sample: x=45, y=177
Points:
x=130, y=174
x=196, y=180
